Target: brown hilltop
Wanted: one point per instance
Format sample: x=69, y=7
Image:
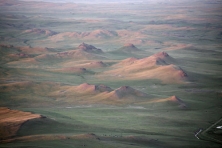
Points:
x=172, y=101
x=126, y=92
x=158, y=66
x=128, y=48
x=161, y=55
x=133, y=64
x=175, y=101
x=83, y=52
x=89, y=94
x=89, y=48
x=156, y=59
x=162, y=58
x=85, y=87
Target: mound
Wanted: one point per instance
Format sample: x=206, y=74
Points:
x=85, y=87
x=89, y=48
x=78, y=55
x=136, y=65
x=128, y=48
x=161, y=55
x=156, y=66
x=127, y=61
x=167, y=74
x=154, y=60
x=87, y=94
x=162, y=58
x=126, y=92
x=172, y=101
x=11, y=120
x=83, y=52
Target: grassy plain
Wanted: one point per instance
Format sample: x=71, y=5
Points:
x=147, y=75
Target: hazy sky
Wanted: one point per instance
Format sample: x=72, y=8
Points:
x=110, y=1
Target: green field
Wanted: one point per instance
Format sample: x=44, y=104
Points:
x=111, y=75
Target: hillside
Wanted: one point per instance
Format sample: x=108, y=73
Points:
x=158, y=66
x=12, y=120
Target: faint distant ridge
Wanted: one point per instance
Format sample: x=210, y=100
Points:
x=89, y=48
x=94, y=1
x=101, y=33
x=41, y=31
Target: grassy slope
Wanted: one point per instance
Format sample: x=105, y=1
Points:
x=190, y=36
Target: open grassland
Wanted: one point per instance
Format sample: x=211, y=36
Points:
x=133, y=126
x=110, y=75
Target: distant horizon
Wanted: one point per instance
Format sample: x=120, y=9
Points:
x=118, y=1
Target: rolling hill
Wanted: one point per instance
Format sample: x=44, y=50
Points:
x=158, y=66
